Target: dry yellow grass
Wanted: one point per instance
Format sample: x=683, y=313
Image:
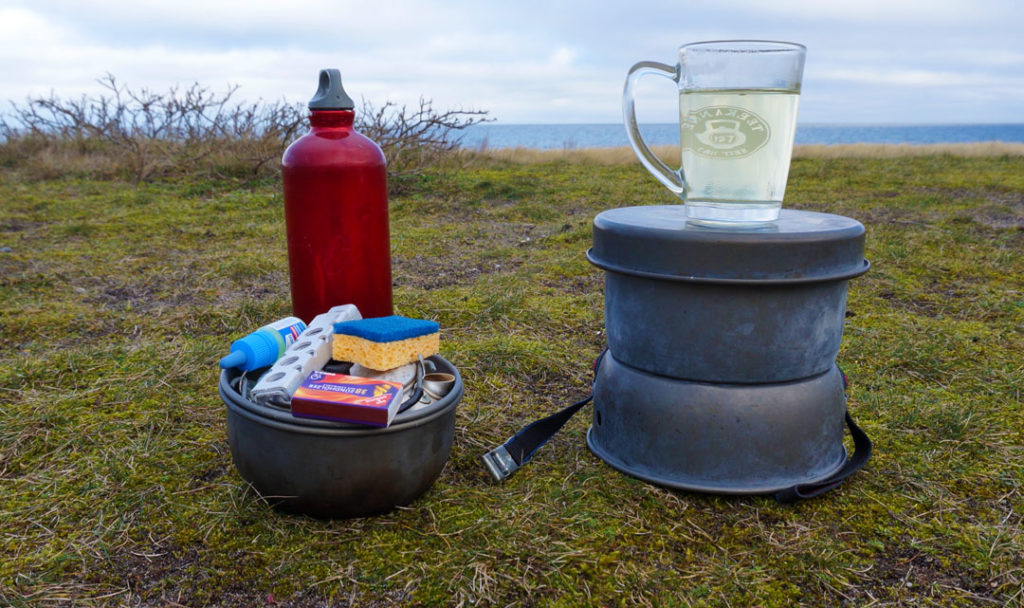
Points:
x=600, y=156
x=971, y=150
x=623, y=155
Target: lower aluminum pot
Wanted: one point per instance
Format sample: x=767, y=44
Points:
x=338, y=470
x=719, y=438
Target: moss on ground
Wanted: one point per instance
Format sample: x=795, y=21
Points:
x=116, y=481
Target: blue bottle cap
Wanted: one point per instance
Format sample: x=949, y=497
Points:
x=235, y=359
x=258, y=349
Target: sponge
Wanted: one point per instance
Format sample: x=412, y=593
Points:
x=385, y=342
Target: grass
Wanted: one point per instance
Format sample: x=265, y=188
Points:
x=116, y=481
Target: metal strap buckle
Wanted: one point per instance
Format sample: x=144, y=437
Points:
x=500, y=463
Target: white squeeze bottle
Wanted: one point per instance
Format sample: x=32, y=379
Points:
x=264, y=346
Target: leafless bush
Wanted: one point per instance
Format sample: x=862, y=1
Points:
x=151, y=134
x=414, y=140
x=189, y=131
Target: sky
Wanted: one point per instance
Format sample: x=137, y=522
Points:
x=525, y=61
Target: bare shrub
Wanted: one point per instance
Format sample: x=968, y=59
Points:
x=414, y=140
x=141, y=134
x=150, y=134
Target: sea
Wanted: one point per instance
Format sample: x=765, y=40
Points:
x=572, y=136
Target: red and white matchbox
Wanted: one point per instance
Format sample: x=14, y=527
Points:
x=344, y=398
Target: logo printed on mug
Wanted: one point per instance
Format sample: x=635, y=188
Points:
x=724, y=132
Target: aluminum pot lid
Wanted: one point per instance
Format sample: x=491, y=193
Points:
x=659, y=242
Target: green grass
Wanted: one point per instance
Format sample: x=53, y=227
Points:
x=116, y=481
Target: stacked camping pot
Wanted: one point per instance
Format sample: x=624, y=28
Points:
x=721, y=373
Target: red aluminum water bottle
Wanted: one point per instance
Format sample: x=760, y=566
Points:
x=336, y=211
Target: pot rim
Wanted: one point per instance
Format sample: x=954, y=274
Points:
x=362, y=431
x=661, y=243
x=839, y=276
x=636, y=471
x=283, y=419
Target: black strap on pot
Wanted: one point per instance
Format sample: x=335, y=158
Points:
x=861, y=453
x=508, y=457
x=505, y=459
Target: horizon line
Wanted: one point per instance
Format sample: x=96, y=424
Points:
x=799, y=124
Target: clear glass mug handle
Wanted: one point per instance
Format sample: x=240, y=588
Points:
x=672, y=179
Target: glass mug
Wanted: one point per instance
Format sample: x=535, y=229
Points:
x=737, y=118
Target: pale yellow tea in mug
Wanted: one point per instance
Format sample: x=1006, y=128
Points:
x=736, y=145
x=737, y=119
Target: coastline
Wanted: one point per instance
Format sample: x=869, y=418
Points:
x=491, y=136
x=670, y=154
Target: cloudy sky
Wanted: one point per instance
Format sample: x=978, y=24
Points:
x=526, y=61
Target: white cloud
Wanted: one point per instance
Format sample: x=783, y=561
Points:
x=527, y=61
x=903, y=12
x=907, y=77
x=563, y=57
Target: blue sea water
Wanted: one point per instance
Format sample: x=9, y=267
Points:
x=572, y=136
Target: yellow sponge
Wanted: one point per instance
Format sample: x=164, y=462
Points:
x=385, y=343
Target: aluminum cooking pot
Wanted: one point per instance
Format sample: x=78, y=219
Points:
x=333, y=469
x=724, y=305
x=720, y=438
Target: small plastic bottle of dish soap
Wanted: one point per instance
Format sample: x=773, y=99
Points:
x=264, y=346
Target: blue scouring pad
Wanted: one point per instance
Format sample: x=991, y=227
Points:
x=386, y=329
